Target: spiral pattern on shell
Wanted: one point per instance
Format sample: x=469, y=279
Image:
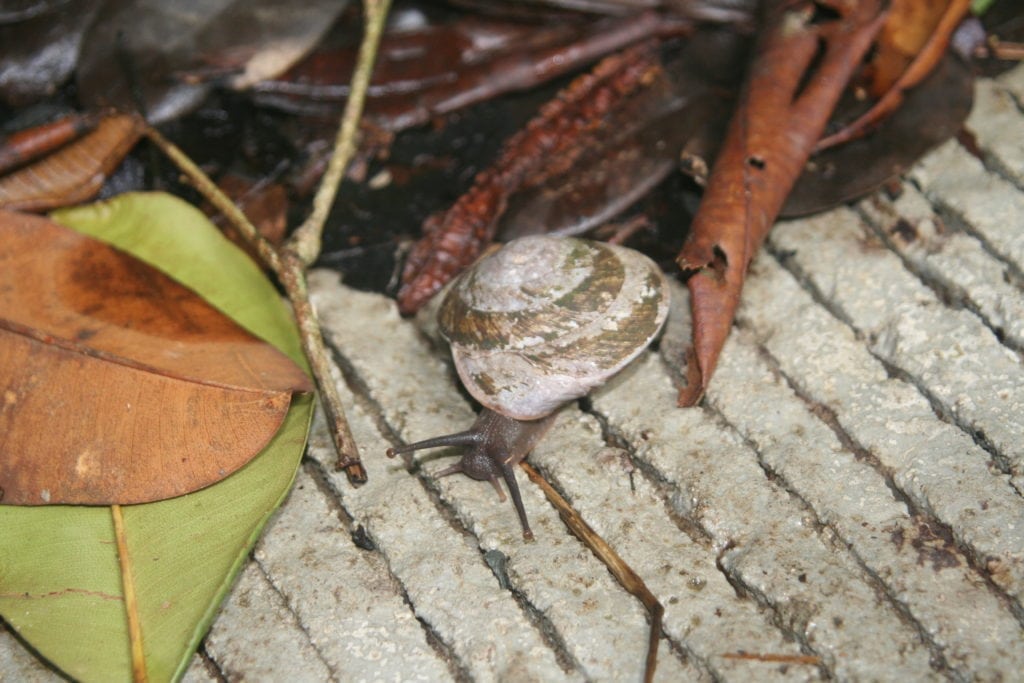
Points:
x=545, y=319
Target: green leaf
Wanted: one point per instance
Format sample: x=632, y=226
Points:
x=60, y=579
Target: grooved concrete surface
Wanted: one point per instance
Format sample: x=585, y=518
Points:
x=850, y=489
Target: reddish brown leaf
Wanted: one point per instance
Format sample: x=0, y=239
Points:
x=931, y=113
x=547, y=146
x=76, y=172
x=121, y=386
x=912, y=41
x=24, y=146
x=801, y=65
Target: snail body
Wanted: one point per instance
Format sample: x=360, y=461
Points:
x=539, y=323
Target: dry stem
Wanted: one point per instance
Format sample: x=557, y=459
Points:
x=625, y=575
x=289, y=262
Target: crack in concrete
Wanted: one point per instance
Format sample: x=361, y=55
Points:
x=210, y=665
x=956, y=220
x=615, y=439
x=914, y=509
x=298, y=619
x=779, y=617
x=549, y=633
x=989, y=159
x=697, y=533
x=950, y=293
x=782, y=618
x=455, y=665
x=942, y=411
x=947, y=414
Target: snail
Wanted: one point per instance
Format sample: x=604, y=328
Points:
x=532, y=326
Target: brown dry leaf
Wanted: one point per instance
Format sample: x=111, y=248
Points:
x=909, y=26
x=122, y=386
x=74, y=173
x=904, y=55
x=802, y=62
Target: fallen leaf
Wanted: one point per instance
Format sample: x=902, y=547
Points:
x=931, y=114
x=41, y=45
x=910, y=25
x=928, y=50
x=74, y=173
x=801, y=65
x=20, y=148
x=548, y=145
x=123, y=386
x=164, y=58
x=60, y=581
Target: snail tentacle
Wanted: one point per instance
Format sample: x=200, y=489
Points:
x=517, y=500
x=466, y=438
x=496, y=443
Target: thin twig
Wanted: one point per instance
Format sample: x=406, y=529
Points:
x=293, y=279
x=306, y=239
x=774, y=658
x=289, y=263
x=1001, y=49
x=625, y=575
x=291, y=273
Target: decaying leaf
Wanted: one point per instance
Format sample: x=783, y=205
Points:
x=122, y=386
x=801, y=65
x=61, y=564
x=165, y=57
x=548, y=145
x=74, y=173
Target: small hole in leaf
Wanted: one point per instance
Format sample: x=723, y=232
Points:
x=756, y=161
x=720, y=263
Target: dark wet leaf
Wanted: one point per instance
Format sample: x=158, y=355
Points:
x=166, y=56
x=931, y=114
x=41, y=42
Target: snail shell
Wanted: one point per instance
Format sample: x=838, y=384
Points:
x=545, y=319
